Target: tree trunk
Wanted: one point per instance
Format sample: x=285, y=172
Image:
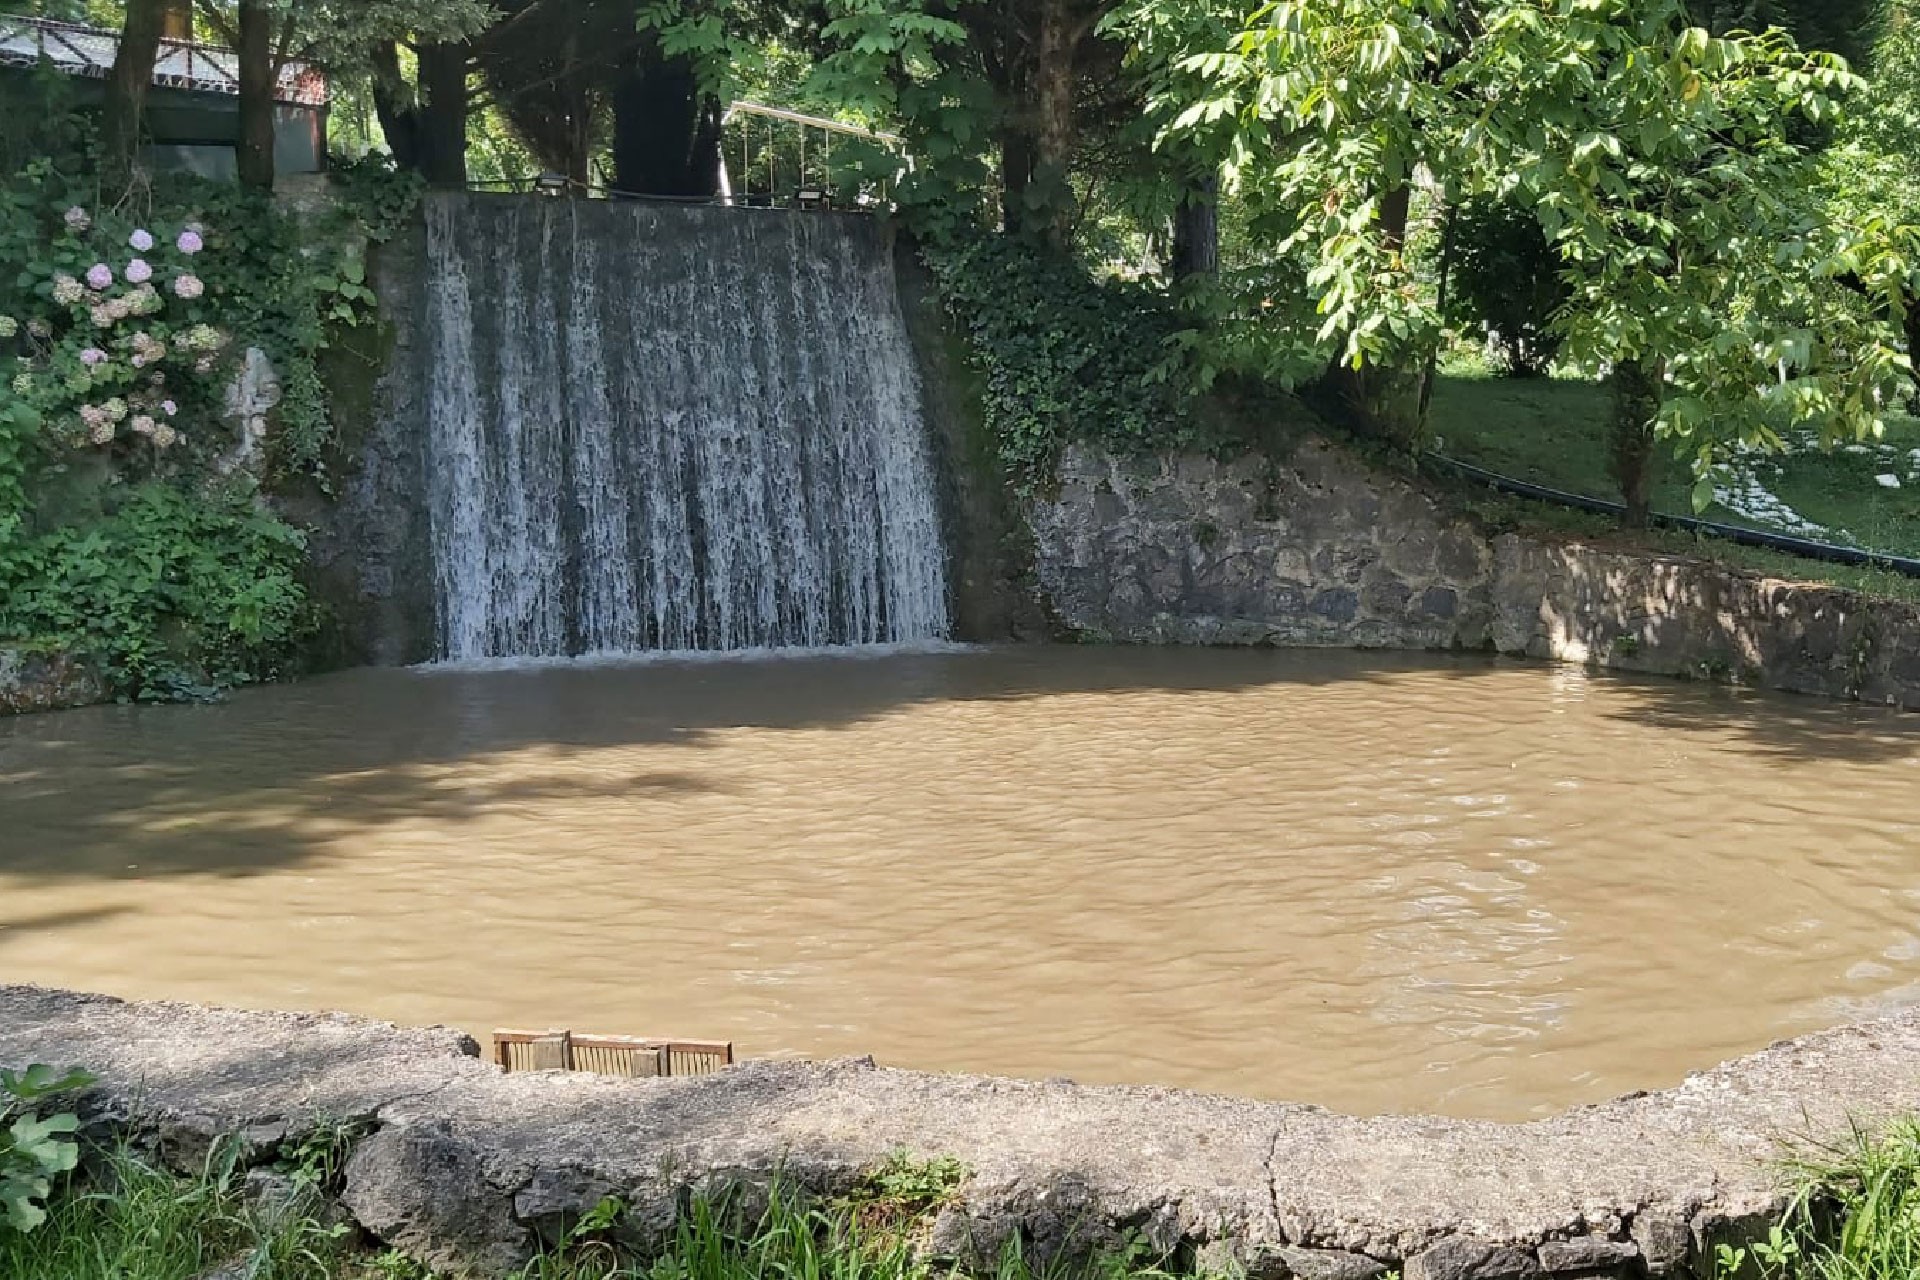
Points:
x=1636, y=403
x=176, y=22
x=1055, y=43
x=666, y=130
x=258, y=76
x=1016, y=176
x=132, y=73
x=442, y=136
x=395, y=104
x=1910, y=324
x=1396, y=207
x=1196, y=231
x=1377, y=400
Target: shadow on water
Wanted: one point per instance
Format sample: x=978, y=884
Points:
x=275, y=777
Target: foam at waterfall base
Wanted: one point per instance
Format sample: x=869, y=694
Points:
x=663, y=657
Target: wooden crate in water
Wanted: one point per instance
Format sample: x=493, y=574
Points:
x=631, y=1056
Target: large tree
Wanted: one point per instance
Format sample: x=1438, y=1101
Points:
x=270, y=34
x=127, y=85
x=1655, y=156
x=968, y=77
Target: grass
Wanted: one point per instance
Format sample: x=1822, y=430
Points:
x=132, y=1221
x=1855, y=1214
x=1552, y=431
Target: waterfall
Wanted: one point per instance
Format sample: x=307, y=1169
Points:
x=671, y=428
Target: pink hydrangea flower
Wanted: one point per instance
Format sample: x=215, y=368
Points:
x=99, y=276
x=169, y=408
x=190, y=242
x=138, y=272
x=93, y=356
x=141, y=241
x=143, y=425
x=78, y=219
x=189, y=286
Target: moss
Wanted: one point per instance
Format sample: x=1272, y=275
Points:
x=990, y=546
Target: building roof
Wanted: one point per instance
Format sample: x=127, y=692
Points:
x=88, y=52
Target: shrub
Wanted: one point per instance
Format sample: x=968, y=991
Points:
x=34, y=1149
x=174, y=593
x=1506, y=275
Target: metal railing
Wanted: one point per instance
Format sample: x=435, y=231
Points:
x=88, y=53
x=804, y=155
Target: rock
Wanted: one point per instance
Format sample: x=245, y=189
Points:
x=1334, y=552
x=238, y=1269
x=46, y=682
x=424, y=1190
x=1330, y=1264
x=277, y=1196
x=1464, y=1258
x=1663, y=1238
x=254, y=393
x=1587, y=1253
x=1887, y=480
x=1225, y=1258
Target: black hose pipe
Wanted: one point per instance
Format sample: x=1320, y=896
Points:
x=1733, y=533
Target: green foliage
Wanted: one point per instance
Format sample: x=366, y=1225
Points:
x=1506, y=275
x=318, y=1159
x=1657, y=159
x=1855, y=1215
x=1066, y=358
x=914, y=1184
x=34, y=1149
x=174, y=593
x=286, y=287
x=907, y=61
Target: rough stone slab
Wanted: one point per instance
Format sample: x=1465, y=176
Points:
x=465, y=1162
x=1587, y=1253
x=1464, y=1258
x=1329, y=1264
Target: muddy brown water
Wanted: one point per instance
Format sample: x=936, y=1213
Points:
x=1375, y=883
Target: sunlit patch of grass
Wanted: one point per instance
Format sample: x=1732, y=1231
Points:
x=1552, y=432
x=1855, y=1214
x=134, y=1221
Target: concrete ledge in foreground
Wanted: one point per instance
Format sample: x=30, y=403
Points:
x=464, y=1165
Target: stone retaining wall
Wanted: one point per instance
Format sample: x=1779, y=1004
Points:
x=464, y=1167
x=1320, y=549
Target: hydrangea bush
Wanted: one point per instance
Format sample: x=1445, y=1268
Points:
x=115, y=335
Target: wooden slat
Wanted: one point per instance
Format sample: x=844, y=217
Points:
x=624, y=1056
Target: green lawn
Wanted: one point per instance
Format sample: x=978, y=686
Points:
x=1552, y=431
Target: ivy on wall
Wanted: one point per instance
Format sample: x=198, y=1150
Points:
x=1067, y=358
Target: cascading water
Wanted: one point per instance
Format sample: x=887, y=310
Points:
x=671, y=428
